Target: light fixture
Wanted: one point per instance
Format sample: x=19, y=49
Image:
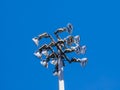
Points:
x=83, y=49
x=77, y=49
x=77, y=39
x=54, y=62
x=69, y=28
x=44, y=63
x=69, y=40
x=35, y=40
x=45, y=52
x=55, y=73
x=83, y=61
x=37, y=54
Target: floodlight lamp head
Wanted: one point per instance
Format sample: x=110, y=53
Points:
x=69, y=28
x=83, y=49
x=53, y=62
x=78, y=49
x=37, y=54
x=83, y=61
x=55, y=73
x=52, y=55
x=44, y=63
x=45, y=52
x=77, y=39
x=35, y=40
x=69, y=40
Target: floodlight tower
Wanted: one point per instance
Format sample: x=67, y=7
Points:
x=58, y=57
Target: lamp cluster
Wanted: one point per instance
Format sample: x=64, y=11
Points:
x=46, y=52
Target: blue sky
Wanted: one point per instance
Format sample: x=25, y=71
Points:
x=96, y=21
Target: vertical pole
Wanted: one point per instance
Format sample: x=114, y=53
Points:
x=60, y=74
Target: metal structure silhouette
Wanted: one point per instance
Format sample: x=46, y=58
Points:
x=58, y=57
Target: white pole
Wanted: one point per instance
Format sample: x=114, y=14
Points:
x=60, y=74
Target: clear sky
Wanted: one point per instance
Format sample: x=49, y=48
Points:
x=96, y=21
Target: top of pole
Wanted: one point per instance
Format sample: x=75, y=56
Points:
x=65, y=45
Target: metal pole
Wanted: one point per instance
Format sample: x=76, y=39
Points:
x=60, y=74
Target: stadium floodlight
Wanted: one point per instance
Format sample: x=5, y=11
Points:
x=35, y=40
x=44, y=63
x=72, y=40
x=44, y=35
x=77, y=39
x=69, y=28
x=82, y=61
x=77, y=49
x=37, y=54
x=69, y=40
x=54, y=62
x=55, y=73
x=56, y=51
x=83, y=49
x=45, y=52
